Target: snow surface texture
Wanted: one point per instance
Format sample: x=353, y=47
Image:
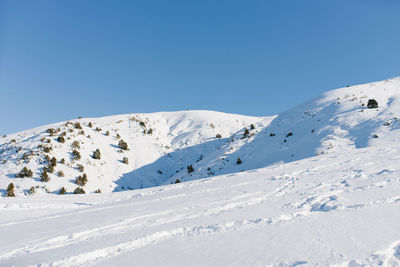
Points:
x=318, y=185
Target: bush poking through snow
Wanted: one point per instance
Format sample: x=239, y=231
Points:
x=372, y=103
x=246, y=132
x=96, y=154
x=10, y=190
x=60, y=174
x=252, y=127
x=289, y=134
x=76, y=155
x=62, y=161
x=238, y=161
x=142, y=124
x=90, y=124
x=123, y=145
x=44, y=177
x=80, y=167
x=62, y=191
x=98, y=129
x=79, y=190
x=218, y=136
x=98, y=191
x=271, y=134
x=81, y=180
x=32, y=190
x=77, y=125
x=190, y=169
x=25, y=172
x=61, y=139
x=177, y=181
x=76, y=145
x=150, y=131
x=53, y=161
x=108, y=133
x=125, y=160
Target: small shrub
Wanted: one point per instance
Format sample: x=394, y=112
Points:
x=375, y=136
x=79, y=190
x=81, y=180
x=62, y=161
x=108, y=133
x=60, y=174
x=98, y=129
x=76, y=145
x=150, y=131
x=96, y=154
x=51, y=131
x=53, y=161
x=61, y=139
x=25, y=172
x=177, y=181
x=252, y=127
x=76, y=155
x=289, y=134
x=98, y=191
x=50, y=169
x=142, y=124
x=44, y=177
x=125, y=160
x=80, y=167
x=77, y=125
x=10, y=190
x=32, y=190
x=118, y=136
x=90, y=124
x=47, y=149
x=246, y=132
x=62, y=191
x=218, y=136
x=123, y=145
x=271, y=134
x=372, y=103
x=238, y=161
x=190, y=169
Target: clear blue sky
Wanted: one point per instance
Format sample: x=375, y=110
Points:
x=64, y=59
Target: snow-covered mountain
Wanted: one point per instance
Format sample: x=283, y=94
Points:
x=318, y=185
x=166, y=147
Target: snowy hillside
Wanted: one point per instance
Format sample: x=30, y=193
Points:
x=331, y=209
x=163, y=148
x=317, y=185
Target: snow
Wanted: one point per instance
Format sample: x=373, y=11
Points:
x=328, y=196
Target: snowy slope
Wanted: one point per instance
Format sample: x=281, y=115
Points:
x=171, y=132
x=318, y=185
x=332, y=209
x=335, y=121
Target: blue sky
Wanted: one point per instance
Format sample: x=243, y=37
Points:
x=64, y=59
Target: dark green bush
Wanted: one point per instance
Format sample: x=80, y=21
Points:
x=125, y=160
x=76, y=155
x=61, y=139
x=25, y=172
x=177, y=181
x=96, y=154
x=44, y=177
x=81, y=180
x=10, y=190
x=238, y=161
x=372, y=103
x=190, y=169
x=79, y=190
x=218, y=136
x=123, y=145
x=62, y=191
